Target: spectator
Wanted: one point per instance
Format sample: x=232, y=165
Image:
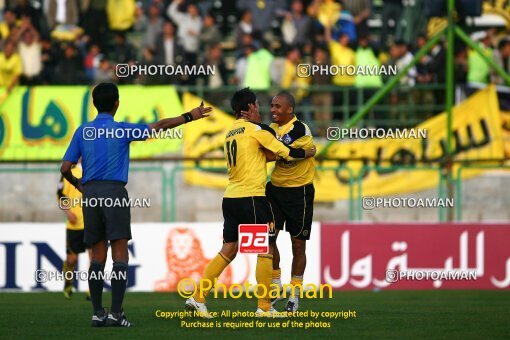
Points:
x=341, y=54
x=219, y=78
x=258, y=70
x=242, y=64
x=23, y=8
x=29, y=48
x=62, y=12
x=264, y=14
x=401, y=57
x=104, y=72
x=344, y=25
x=361, y=11
x=246, y=40
x=258, y=75
x=416, y=21
x=392, y=11
x=366, y=56
x=502, y=58
x=210, y=34
x=123, y=51
x=460, y=65
x=168, y=50
x=289, y=76
x=437, y=69
x=244, y=27
x=296, y=25
x=69, y=70
x=478, y=70
x=322, y=100
x=148, y=58
x=8, y=24
x=189, y=26
x=121, y=14
x=425, y=75
x=10, y=66
x=49, y=57
x=95, y=22
x=152, y=26
x=91, y=62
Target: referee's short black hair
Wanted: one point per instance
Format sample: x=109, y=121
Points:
x=288, y=98
x=104, y=96
x=241, y=99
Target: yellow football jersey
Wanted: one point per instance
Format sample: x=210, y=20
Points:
x=66, y=189
x=295, y=134
x=246, y=160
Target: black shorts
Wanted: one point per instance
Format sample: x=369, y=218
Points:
x=246, y=210
x=105, y=222
x=74, y=241
x=293, y=208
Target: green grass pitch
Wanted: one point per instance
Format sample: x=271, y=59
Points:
x=385, y=314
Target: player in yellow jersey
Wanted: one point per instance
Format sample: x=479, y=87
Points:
x=290, y=191
x=74, y=227
x=244, y=201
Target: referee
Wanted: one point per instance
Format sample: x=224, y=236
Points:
x=105, y=163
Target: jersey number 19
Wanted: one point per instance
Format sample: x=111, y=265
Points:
x=232, y=153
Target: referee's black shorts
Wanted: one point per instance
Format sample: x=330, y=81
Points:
x=246, y=210
x=293, y=208
x=106, y=222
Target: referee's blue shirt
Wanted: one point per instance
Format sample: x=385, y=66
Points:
x=103, y=145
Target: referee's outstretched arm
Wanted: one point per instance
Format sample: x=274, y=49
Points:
x=169, y=123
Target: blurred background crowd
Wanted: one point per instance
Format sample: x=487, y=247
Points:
x=256, y=43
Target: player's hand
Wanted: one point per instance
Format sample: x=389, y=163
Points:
x=200, y=112
x=310, y=152
x=71, y=217
x=252, y=115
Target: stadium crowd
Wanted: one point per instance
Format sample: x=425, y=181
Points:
x=255, y=43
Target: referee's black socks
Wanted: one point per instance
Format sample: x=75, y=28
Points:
x=119, y=282
x=96, y=281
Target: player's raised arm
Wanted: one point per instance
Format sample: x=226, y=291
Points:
x=169, y=123
x=266, y=137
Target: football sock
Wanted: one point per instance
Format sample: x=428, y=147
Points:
x=297, y=282
x=277, y=274
x=96, y=280
x=211, y=272
x=66, y=267
x=119, y=282
x=263, y=274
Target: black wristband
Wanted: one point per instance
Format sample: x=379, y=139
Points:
x=297, y=153
x=187, y=117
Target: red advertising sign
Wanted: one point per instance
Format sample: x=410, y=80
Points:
x=415, y=256
x=254, y=238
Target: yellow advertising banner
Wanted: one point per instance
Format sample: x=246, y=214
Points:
x=477, y=133
x=38, y=123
